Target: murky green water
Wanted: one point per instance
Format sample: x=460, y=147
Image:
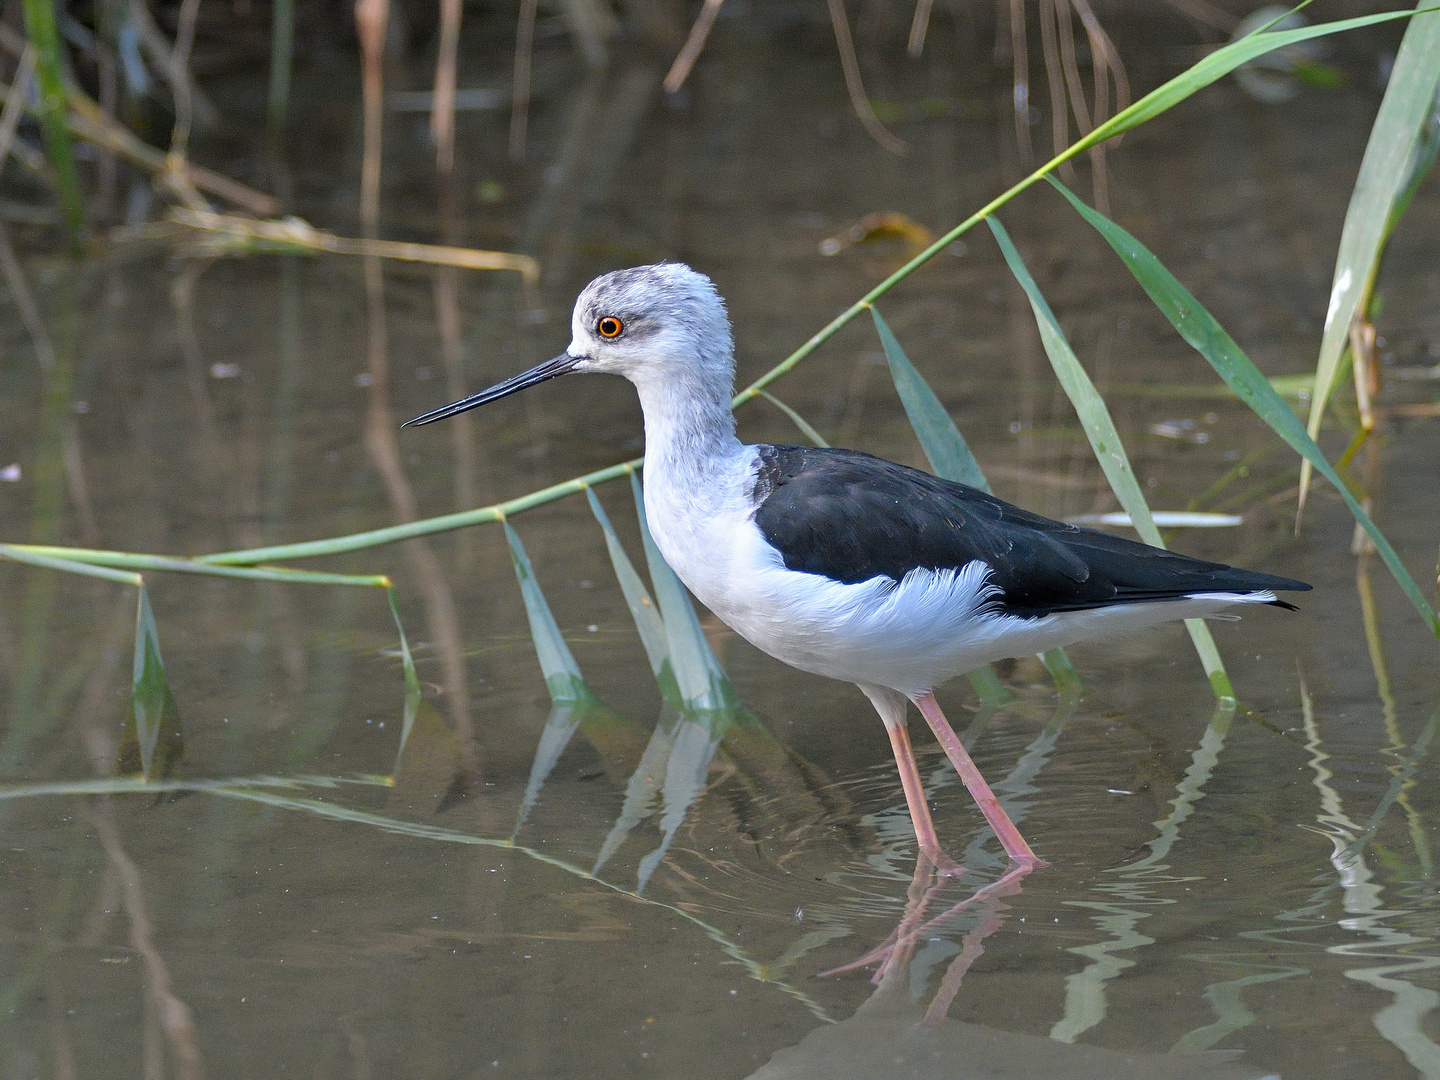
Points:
x=627, y=891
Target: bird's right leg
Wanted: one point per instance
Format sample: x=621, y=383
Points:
x=1005, y=830
x=892, y=706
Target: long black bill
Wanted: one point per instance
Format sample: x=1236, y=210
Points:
x=548, y=370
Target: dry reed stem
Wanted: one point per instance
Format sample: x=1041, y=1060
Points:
x=442, y=112
x=1071, y=68
x=383, y=445
x=1101, y=45
x=180, y=78
x=15, y=102
x=1099, y=175
x=1367, y=375
x=371, y=19
x=520, y=97
x=1105, y=64
x=1020, y=58
x=850, y=64
x=293, y=232
x=107, y=171
x=88, y=122
x=25, y=301
x=694, y=43
x=919, y=27
x=162, y=55
x=446, y=288
x=1054, y=77
x=173, y=1014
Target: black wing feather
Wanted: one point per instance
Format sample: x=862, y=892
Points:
x=851, y=517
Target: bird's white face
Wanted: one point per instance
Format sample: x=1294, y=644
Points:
x=651, y=322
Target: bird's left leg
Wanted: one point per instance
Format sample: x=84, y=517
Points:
x=891, y=707
x=1009, y=836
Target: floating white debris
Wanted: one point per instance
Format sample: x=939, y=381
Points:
x=11, y=473
x=224, y=371
x=1186, y=429
x=1166, y=519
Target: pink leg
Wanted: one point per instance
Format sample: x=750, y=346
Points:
x=1010, y=838
x=915, y=799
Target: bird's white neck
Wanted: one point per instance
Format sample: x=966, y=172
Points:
x=689, y=428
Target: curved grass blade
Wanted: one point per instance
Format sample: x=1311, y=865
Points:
x=643, y=786
x=412, y=683
x=704, y=686
x=687, y=765
x=795, y=418
x=1198, y=327
x=562, y=674
x=1386, y=172
x=151, y=742
x=560, y=725
x=1105, y=440
x=945, y=448
x=642, y=609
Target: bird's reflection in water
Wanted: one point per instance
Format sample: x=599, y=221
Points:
x=899, y=1037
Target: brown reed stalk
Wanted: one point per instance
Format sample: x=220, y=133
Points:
x=520, y=98
x=694, y=43
x=919, y=27
x=1020, y=58
x=371, y=19
x=1054, y=76
x=850, y=64
x=442, y=112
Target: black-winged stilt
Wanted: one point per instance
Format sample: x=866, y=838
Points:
x=847, y=565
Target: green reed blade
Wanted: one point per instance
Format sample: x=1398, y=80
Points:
x=560, y=726
x=703, y=683
x=1386, y=171
x=39, y=556
x=1199, y=328
x=152, y=741
x=127, y=560
x=795, y=418
x=562, y=673
x=1105, y=440
x=944, y=446
x=412, y=682
x=642, y=609
x=950, y=457
x=54, y=121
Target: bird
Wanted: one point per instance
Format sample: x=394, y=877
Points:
x=846, y=565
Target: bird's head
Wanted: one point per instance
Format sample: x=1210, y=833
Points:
x=652, y=324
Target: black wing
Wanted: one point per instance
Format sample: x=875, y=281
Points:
x=852, y=517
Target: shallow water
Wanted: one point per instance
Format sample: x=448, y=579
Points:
x=1253, y=886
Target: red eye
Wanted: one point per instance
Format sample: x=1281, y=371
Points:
x=609, y=327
